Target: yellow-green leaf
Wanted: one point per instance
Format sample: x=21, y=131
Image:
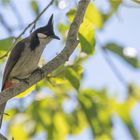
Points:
x=35, y=7
x=93, y=16
x=6, y=43
x=73, y=78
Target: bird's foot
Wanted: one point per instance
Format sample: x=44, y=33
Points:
x=40, y=70
x=25, y=80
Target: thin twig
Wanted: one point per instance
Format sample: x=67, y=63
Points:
x=33, y=24
x=1, y=57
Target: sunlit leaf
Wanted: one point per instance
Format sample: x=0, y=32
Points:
x=103, y=137
x=73, y=78
x=10, y=114
x=26, y=92
x=71, y=14
x=86, y=46
x=93, y=16
x=60, y=125
x=92, y=19
x=17, y=130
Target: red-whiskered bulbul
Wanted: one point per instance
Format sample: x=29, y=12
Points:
x=24, y=57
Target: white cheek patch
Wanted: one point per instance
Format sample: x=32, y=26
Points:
x=40, y=35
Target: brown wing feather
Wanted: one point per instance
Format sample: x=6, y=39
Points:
x=12, y=60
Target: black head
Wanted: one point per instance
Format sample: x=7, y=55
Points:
x=48, y=29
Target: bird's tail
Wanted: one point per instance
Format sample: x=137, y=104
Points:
x=2, y=108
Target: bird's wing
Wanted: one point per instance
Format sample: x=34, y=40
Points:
x=13, y=58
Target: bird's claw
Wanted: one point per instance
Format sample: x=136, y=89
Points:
x=25, y=80
x=41, y=71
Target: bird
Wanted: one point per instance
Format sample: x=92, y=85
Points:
x=24, y=57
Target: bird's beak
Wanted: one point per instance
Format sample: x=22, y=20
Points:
x=56, y=37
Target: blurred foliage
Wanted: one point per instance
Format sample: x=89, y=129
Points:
x=6, y=43
x=35, y=7
x=120, y=51
x=137, y=1
x=48, y=112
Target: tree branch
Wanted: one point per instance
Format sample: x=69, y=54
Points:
x=60, y=59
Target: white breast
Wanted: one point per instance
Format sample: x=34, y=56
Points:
x=28, y=61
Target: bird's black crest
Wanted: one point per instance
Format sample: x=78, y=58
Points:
x=48, y=29
x=49, y=26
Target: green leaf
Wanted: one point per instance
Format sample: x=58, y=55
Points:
x=73, y=78
x=132, y=128
x=95, y=111
x=119, y=50
x=86, y=32
x=94, y=16
x=137, y=1
x=5, y=2
x=87, y=47
x=60, y=125
x=126, y=118
x=92, y=19
x=77, y=121
x=90, y=109
x=115, y=5
x=71, y=14
x=18, y=127
x=6, y=43
x=35, y=7
x=63, y=29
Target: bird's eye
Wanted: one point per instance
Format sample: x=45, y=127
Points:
x=40, y=35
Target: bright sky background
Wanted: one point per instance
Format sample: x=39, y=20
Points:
x=124, y=27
